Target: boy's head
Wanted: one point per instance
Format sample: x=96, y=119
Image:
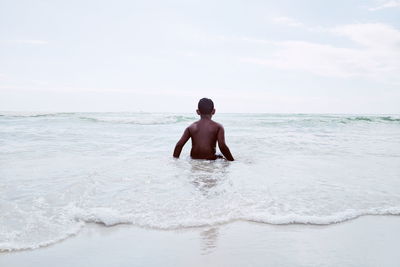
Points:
x=206, y=107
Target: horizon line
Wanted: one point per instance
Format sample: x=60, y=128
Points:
x=186, y=112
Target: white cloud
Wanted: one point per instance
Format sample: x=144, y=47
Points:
x=4, y=78
x=286, y=21
x=387, y=4
x=324, y=60
x=371, y=35
x=290, y=22
x=31, y=42
x=377, y=57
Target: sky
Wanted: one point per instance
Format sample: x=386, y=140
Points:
x=306, y=56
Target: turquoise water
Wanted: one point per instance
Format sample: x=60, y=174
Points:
x=59, y=171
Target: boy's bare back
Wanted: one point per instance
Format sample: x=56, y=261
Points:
x=204, y=133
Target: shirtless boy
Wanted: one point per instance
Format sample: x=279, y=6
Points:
x=204, y=133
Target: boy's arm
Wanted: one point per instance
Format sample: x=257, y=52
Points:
x=222, y=145
x=178, y=148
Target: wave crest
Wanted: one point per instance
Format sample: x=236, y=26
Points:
x=110, y=217
x=171, y=119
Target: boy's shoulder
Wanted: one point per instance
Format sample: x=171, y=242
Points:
x=199, y=124
x=217, y=124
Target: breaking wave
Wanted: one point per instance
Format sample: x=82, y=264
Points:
x=109, y=217
x=141, y=121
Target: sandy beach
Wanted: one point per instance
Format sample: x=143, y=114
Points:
x=366, y=241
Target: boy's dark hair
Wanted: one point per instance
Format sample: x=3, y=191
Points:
x=205, y=106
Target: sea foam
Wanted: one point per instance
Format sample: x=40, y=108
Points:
x=62, y=171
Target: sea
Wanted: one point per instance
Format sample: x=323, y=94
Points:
x=62, y=171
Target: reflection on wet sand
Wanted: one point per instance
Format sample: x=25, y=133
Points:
x=209, y=239
x=206, y=176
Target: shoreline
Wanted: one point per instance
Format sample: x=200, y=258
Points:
x=99, y=225
x=366, y=241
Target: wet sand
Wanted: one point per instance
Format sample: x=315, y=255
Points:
x=366, y=241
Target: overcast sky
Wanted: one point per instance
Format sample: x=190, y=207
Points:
x=316, y=56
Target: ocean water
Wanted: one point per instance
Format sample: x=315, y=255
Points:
x=60, y=171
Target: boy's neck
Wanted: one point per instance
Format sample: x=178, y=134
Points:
x=205, y=116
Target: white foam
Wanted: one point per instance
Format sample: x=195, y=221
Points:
x=63, y=173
